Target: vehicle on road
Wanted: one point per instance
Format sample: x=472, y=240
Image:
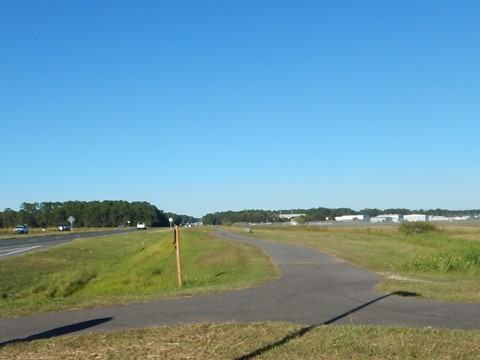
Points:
x=141, y=226
x=63, y=227
x=20, y=229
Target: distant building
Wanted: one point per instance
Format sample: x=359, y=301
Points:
x=352, y=218
x=388, y=218
x=416, y=217
x=461, y=218
x=290, y=216
x=439, y=218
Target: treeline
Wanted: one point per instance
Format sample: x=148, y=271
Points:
x=87, y=214
x=316, y=214
x=232, y=217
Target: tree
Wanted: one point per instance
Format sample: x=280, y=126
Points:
x=28, y=214
x=9, y=217
x=107, y=213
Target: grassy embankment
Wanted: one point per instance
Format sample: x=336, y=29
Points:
x=441, y=262
x=126, y=267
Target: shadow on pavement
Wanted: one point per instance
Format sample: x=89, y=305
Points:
x=68, y=329
x=64, y=330
x=307, y=329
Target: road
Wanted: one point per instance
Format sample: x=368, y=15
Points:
x=21, y=244
x=315, y=289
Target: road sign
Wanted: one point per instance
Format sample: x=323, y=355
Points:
x=71, y=219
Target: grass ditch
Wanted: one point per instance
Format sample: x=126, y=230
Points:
x=127, y=267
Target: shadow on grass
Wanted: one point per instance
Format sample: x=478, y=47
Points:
x=64, y=330
x=307, y=329
x=405, y=294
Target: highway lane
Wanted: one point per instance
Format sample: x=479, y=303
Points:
x=24, y=244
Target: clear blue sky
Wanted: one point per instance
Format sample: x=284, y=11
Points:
x=206, y=106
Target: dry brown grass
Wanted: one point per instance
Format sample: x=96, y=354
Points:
x=256, y=340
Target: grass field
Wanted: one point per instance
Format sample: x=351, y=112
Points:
x=141, y=266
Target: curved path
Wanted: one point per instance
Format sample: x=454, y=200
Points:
x=314, y=289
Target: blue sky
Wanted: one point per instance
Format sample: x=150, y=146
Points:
x=205, y=106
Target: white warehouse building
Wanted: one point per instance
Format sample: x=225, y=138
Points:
x=290, y=216
x=416, y=217
x=353, y=218
x=387, y=218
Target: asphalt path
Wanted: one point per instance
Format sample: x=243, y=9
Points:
x=21, y=244
x=315, y=289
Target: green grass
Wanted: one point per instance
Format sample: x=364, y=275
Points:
x=256, y=341
x=443, y=263
x=128, y=267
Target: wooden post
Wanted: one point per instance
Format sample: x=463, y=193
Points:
x=177, y=247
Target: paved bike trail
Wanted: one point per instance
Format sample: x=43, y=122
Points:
x=314, y=289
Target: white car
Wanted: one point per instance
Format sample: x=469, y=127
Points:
x=141, y=226
x=20, y=229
